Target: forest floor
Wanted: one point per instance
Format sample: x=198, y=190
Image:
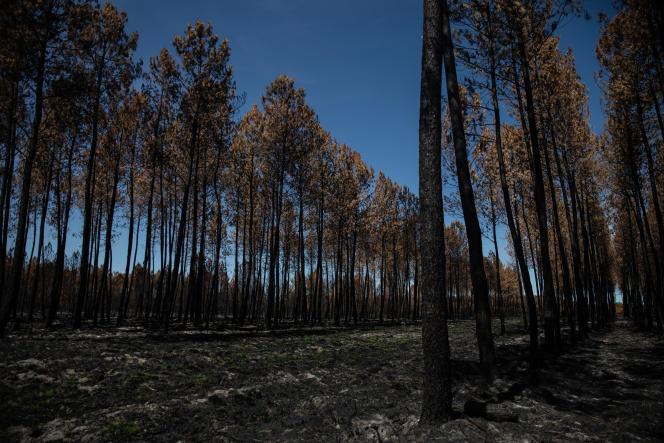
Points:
x=361, y=384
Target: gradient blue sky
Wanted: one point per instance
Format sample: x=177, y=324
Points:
x=358, y=60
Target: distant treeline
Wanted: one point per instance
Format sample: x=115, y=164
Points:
x=262, y=219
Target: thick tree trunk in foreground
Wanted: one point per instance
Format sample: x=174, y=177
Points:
x=478, y=276
x=437, y=398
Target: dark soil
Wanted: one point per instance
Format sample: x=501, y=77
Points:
x=128, y=385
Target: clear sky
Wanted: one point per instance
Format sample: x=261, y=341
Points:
x=358, y=60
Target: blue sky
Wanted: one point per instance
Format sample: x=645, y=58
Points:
x=358, y=60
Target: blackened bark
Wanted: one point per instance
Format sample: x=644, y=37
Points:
x=130, y=240
x=473, y=231
x=499, y=289
x=58, y=277
x=567, y=285
x=105, y=283
x=9, y=300
x=7, y=179
x=507, y=200
x=87, y=210
x=179, y=246
x=437, y=394
x=40, y=247
x=551, y=326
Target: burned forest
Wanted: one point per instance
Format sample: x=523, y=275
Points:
x=296, y=221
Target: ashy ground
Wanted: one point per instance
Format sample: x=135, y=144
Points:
x=321, y=385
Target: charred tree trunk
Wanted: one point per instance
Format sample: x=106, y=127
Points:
x=437, y=393
x=473, y=231
x=9, y=301
x=507, y=201
x=551, y=324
